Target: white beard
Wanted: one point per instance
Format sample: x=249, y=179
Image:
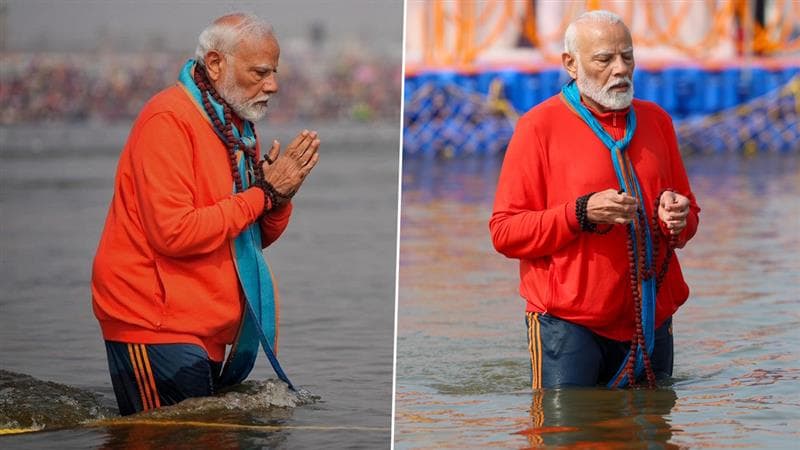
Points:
x=252, y=110
x=603, y=94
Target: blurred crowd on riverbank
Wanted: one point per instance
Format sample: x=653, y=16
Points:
x=112, y=87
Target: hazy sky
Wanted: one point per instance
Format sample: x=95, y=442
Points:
x=56, y=25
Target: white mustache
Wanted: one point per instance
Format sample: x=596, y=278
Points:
x=622, y=82
x=264, y=99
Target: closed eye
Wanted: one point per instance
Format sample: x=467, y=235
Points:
x=262, y=73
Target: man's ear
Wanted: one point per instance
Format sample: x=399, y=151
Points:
x=215, y=64
x=571, y=64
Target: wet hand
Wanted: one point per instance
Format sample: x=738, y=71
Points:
x=611, y=207
x=673, y=209
x=287, y=171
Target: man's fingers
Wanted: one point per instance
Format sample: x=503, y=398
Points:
x=311, y=163
x=623, y=198
x=675, y=228
x=305, y=170
x=680, y=215
x=301, y=148
x=612, y=207
x=675, y=209
x=304, y=146
x=291, y=150
x=676, y=212
x=672, y=201
x=681, y=203
x=627, y=210
x=313, y=147
x=274, y=151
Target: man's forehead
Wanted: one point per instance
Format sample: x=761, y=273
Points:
x=259, y=42
x=603, y=33
x=260, y=50
x=603, y=37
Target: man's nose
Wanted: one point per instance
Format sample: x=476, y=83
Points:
x=270, y=84
x=620, y=67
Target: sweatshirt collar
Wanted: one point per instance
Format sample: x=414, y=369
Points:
x=615, y=118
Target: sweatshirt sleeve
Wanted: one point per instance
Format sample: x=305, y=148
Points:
x=273, y=223
x=522, y=226
x=680, y=184
x=164, y=187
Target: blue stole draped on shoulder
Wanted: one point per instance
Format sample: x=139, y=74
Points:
x=259, y=322
x=629, y=183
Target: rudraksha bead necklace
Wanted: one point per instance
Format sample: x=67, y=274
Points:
x=637, y=270
x=232, y=144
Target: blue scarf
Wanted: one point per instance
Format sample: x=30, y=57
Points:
x=259, y=321
x=629, y=183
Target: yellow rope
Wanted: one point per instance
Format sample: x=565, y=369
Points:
x=4, y=431
x=122, y=422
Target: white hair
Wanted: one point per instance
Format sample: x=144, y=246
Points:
x=596, y=16
x=224, y=33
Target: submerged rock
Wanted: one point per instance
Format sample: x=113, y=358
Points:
x=250, y=396
x=29, y=403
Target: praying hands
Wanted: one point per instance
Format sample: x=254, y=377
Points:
x=286, y=172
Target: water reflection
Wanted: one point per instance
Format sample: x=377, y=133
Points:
x=149, y=437
x=599, y=418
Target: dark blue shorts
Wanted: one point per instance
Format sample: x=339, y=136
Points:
x=564, y=354
x=148, y=376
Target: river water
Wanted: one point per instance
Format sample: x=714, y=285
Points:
x=335, y=267
x=463, y=372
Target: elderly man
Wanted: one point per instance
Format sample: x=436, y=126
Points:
x=592, y=199
x=179, y=273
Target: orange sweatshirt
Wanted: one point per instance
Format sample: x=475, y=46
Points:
x=164, y=271
x=554, y=158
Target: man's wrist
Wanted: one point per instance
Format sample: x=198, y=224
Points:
x=583, y=217
x=270, y=197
